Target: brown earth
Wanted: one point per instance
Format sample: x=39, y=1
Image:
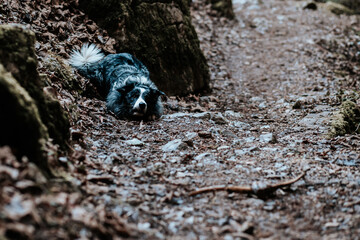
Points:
x=278, y=74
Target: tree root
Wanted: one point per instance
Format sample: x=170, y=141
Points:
x=259, y=189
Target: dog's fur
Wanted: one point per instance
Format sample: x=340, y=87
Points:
x=124, y=79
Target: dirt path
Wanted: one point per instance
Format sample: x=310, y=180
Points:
x=247, y=130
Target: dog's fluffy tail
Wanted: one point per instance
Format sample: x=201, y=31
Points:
x=88, y=55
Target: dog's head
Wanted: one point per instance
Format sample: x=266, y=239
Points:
x=141, y=100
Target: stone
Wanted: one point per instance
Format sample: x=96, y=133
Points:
x=262, y=105
x=256, y=100
x=174, y=145
x=218, y=118
x=17, y=54
x=232, y=114
x=20, y=123
x=203, y=115
x=338, y=9
x=190, y=135
x=205, y=134
x=268, y=138
x=206, y=159
x=315, y=120
x=241, y=125
x=134, y=142
x=175, y=115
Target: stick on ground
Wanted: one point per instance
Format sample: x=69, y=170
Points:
x=257, y=189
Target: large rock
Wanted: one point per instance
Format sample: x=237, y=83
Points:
x=20, y=123
x=338, y=7
x=354, y=5
x=160, y=34
x=17, y=54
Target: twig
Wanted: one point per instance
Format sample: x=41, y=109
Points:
x=256, y=189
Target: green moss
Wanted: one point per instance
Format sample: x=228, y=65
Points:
x=347, y=120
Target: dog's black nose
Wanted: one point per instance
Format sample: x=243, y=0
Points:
x=142, y=106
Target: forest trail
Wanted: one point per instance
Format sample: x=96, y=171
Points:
x=266, y=121
x=279, y=73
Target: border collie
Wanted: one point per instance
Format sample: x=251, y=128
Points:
x=124, y=79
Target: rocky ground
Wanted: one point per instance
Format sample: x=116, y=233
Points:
x=278, y=75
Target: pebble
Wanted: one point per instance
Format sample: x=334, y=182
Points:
x=203, y=115
x=190, y=135
x=268, y=138
x=256, y=99
x=262, y=105
x=134, y=142
x=203, y=156
x=241, y=125
x=141, y=172
x=174, y=145
x=175, y=115
x=205, y=134
x=232, y=114
x=218, y=118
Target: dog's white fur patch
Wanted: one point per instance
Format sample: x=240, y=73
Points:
x=87, y=55
x=144, y=80
x=137, y=104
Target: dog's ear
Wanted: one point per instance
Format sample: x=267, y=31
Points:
x=126, y=88
x=159, y=93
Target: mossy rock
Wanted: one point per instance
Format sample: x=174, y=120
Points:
x=20, y=123
x=160, y=34
x=347, y=120
x=17, y=54
x=338, y=9
x=353, y=6
x=223, y=7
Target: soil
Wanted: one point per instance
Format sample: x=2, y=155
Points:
x=279, y=73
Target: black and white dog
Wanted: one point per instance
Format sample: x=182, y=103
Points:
x=124, y=79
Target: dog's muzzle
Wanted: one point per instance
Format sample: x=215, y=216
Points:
x=139, y=109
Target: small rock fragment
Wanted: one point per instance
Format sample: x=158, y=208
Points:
x=205, y=134
x=241, y=125
x=203, y=115
x=297, y=104
x=174, y=145
x=134, y=142
x=218, y=118
x=190, y=136
x=232, y=114
x=268, y=138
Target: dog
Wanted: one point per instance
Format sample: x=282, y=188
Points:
x=123, y=79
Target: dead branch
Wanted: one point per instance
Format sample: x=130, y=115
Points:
x=256, y=188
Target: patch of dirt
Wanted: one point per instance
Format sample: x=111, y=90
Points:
x=278, y=74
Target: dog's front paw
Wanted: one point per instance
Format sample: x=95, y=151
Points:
x=151, y=117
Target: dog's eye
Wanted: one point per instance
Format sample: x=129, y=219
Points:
x=134, y=94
